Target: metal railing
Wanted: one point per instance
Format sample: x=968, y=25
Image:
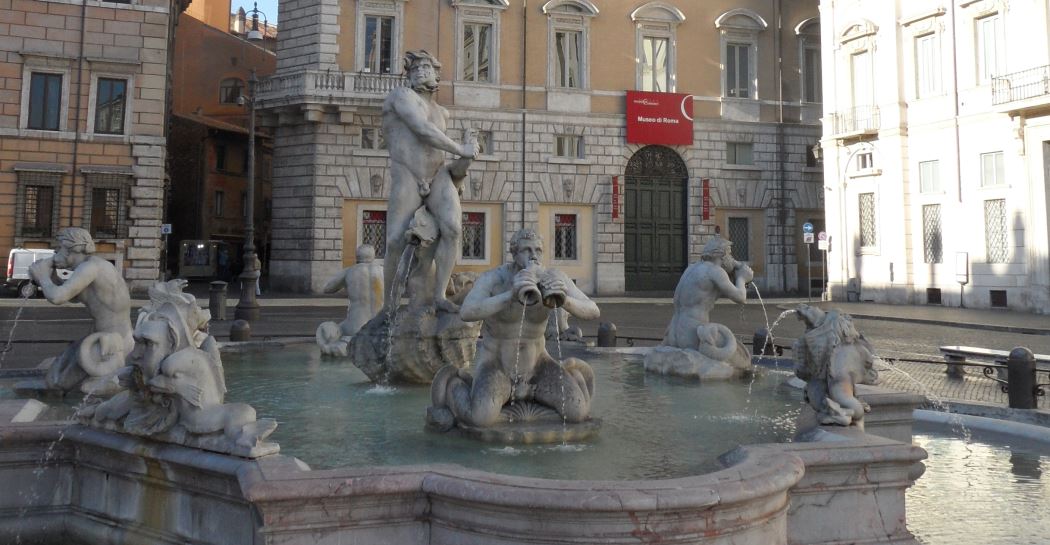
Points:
x=1031, y=83
x=328, y=84
x=856, y=119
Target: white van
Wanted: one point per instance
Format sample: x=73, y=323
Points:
x=18, y=262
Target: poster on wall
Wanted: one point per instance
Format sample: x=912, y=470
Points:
x=659, y=118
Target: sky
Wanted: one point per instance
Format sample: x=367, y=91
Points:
x=268, y=7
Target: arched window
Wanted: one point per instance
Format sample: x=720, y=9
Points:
x=655, y=26
x=230, y=89
x=739, y=30
x=808, y=33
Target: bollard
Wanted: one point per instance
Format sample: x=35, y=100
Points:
x=607, y=334
x=1021, y=378
x=240, y=331
x=760, y=345
x=217, y=300
x=954, y=370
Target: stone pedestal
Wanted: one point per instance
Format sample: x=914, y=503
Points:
x=421, y=342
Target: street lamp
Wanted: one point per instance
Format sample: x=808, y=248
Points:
x=248, y=306
x=255, y=35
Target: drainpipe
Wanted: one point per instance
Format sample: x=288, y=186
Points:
x=524, y=65
x=76, y=114
x=781, y=188
x=955, y=104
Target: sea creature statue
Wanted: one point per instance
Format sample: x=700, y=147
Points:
x=91, y=363
x=693, y=346
x=175, y=384
x=833, y=357
x=364, y=299
x=517, y=392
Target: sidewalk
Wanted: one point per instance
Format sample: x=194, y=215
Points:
x=1002, y=320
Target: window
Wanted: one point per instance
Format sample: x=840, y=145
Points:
x=739, y=230
x=220, y=203
x=932, y=250
x=740, y=153
x=929, y=176
x=37, y=204
x=476, y=52
x=473, y=235
x=230, y=89
x=110, y=100
x=861, y=77
x=106, y=207
x=568, y=145
x=811, y=69
x=220, y=157
x=868, y=227
x=995, y=231
x=565, y=236
x=45, y=101
x=927, y=66
x=655, y=60
x=372, y=138
x=991, y=53
x=569, y=59
x=379, y=52
x=865, y=161
x=992, y=169
x=738, y=70
x=373, y=230
x=484, y=142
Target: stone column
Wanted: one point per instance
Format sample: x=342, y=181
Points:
x=144, y=216
x=309, y=35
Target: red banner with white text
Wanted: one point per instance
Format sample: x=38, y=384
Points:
x=659, y=118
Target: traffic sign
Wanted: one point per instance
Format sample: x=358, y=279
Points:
x=822, y=235
x=165, y=228
x=807, y=227
x=822, y=245
x=807, y=238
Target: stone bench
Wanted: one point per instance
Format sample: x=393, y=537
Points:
x=955, y=355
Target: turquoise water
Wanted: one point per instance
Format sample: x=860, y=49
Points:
x=653, y=427
x=992, y=490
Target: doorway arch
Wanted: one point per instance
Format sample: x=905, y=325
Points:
x=655, y=218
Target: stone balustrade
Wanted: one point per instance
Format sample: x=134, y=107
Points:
x=325, y=86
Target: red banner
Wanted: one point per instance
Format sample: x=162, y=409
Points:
x=617, y=202
x=659, y=118
x=707, y=198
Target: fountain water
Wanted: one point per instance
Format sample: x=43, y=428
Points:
x=14, y=325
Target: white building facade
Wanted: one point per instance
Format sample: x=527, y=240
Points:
x=936, y=151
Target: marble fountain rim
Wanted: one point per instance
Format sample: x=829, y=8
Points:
x=756, y=473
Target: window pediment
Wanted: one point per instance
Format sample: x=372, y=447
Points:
x=857, y=30
x=658, y=12
x=575, y=7
x=810, y=27
x=741, y=19
x=493, y=4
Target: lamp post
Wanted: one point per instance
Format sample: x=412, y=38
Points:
x=248, y=306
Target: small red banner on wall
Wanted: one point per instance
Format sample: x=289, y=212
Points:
x=659, y=118
x=707, y=198
x=617, y=199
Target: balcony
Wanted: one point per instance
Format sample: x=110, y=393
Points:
x=325, y=87
x=856, y=122
x=1020, y=91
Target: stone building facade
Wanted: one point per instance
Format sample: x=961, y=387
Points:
x=545, y=84
x=937, y=152
x=82, y=122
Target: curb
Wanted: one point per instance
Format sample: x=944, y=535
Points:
x=985, y=424
x=963, y=325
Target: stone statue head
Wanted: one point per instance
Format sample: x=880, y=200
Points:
x=366, y=253
x=72, y=246
x=526, y=248
x=155, y=338
x=720, y=251
x=422, y=69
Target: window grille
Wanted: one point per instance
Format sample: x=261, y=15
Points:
x=933, y=252
x=373, y=230
x=473, y=235
x=995, y=230
x=740, y=235
x=868, y=227
x=37, y=214
x=565, y=236
x=107, y=207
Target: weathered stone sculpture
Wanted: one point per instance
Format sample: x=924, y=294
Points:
x=91, y=363
x=176, y=385
x=558, y=327
x=424, y=232
x=832, y=357
x=364, y=294
x=517, y=392
x=693, y=347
